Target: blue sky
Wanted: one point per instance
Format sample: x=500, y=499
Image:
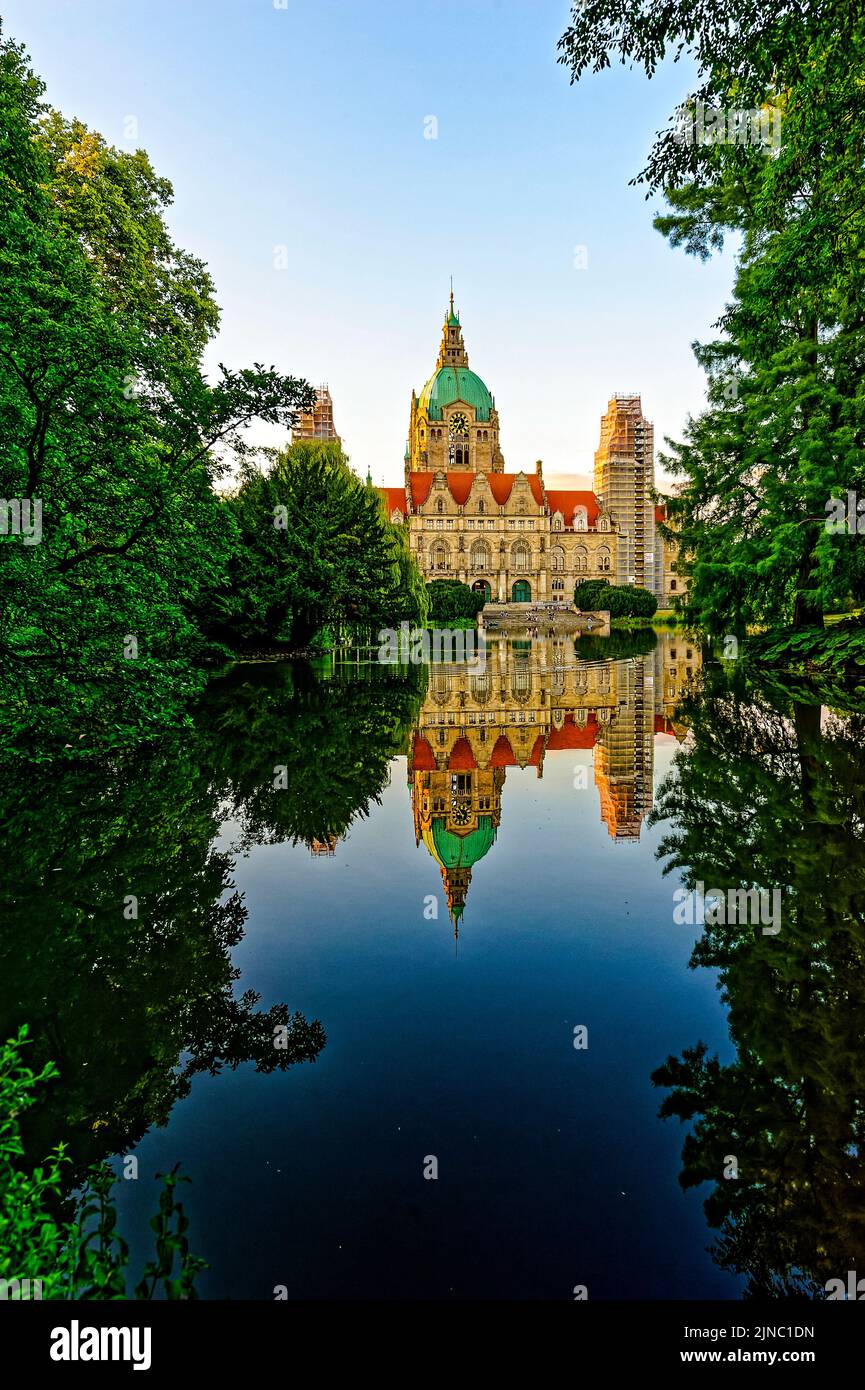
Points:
x=303, y=128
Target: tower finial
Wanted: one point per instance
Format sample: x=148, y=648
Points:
x=452, y=294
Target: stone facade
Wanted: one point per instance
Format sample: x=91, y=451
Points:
x=673, y=585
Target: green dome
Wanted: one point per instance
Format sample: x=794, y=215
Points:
x=461, y=851
x=451, y=384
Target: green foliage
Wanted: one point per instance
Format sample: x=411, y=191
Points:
x=77, y=1254
x=107, y=419
x=314, y=548
x=770, y=794
x=625, y=601
x=142, y=1002
x=840, y=648
x=449, y=600
x=592, y=595
x=785, y=425
x=32, y=1243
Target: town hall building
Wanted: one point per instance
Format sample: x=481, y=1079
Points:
x=508, y=535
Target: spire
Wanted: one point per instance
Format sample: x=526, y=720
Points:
x=452, y=352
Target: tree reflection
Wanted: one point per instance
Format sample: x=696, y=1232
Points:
x=333, y=738
x=119, y=914
x=772, y=795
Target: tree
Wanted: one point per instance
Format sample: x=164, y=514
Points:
x=80, y=1255
x=109, y=425
x=449, y=599
x=785, y=425
x=315, y=549
x=624, y=601
x=770, y=794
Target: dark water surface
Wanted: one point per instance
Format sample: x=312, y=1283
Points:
x=450, y=872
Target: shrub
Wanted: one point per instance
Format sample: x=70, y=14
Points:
x=626, y=601
x=449, y=599
x=75, y=1253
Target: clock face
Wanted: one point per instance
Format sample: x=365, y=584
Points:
x=459, y=424
x=461, y=813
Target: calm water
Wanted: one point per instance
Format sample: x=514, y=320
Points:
x=444, y=874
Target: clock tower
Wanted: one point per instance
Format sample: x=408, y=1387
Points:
x=454, y=424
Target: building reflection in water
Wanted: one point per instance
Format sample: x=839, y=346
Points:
x=531, y=700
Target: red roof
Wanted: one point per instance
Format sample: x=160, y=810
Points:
x=462, y=759
x=422, y=756
x=501, y=485
x=420, y=487
x=564, y=500
x=572, y=735
x=460, y=485
x=394, y=499
x=502, y=754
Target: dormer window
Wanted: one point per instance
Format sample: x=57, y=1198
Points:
x=581, y=520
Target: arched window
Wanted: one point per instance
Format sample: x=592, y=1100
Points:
x=581, y=561
x=440, y=506
x=581, y=519
x=557, y=558
x=558, y=522
x=521, y=678
x=604, y=564
x=439, y=556
x=520, y=556
x=480, y=687
x=396, y=516
x=603, y=524
x=480, y=556
x=481, y=508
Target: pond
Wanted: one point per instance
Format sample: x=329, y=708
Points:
x=387, y=958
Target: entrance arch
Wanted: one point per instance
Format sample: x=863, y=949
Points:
x=481, y=586
x=521, y=591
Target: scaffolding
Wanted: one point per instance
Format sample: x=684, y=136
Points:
x=318, y=422
x=624, y=481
